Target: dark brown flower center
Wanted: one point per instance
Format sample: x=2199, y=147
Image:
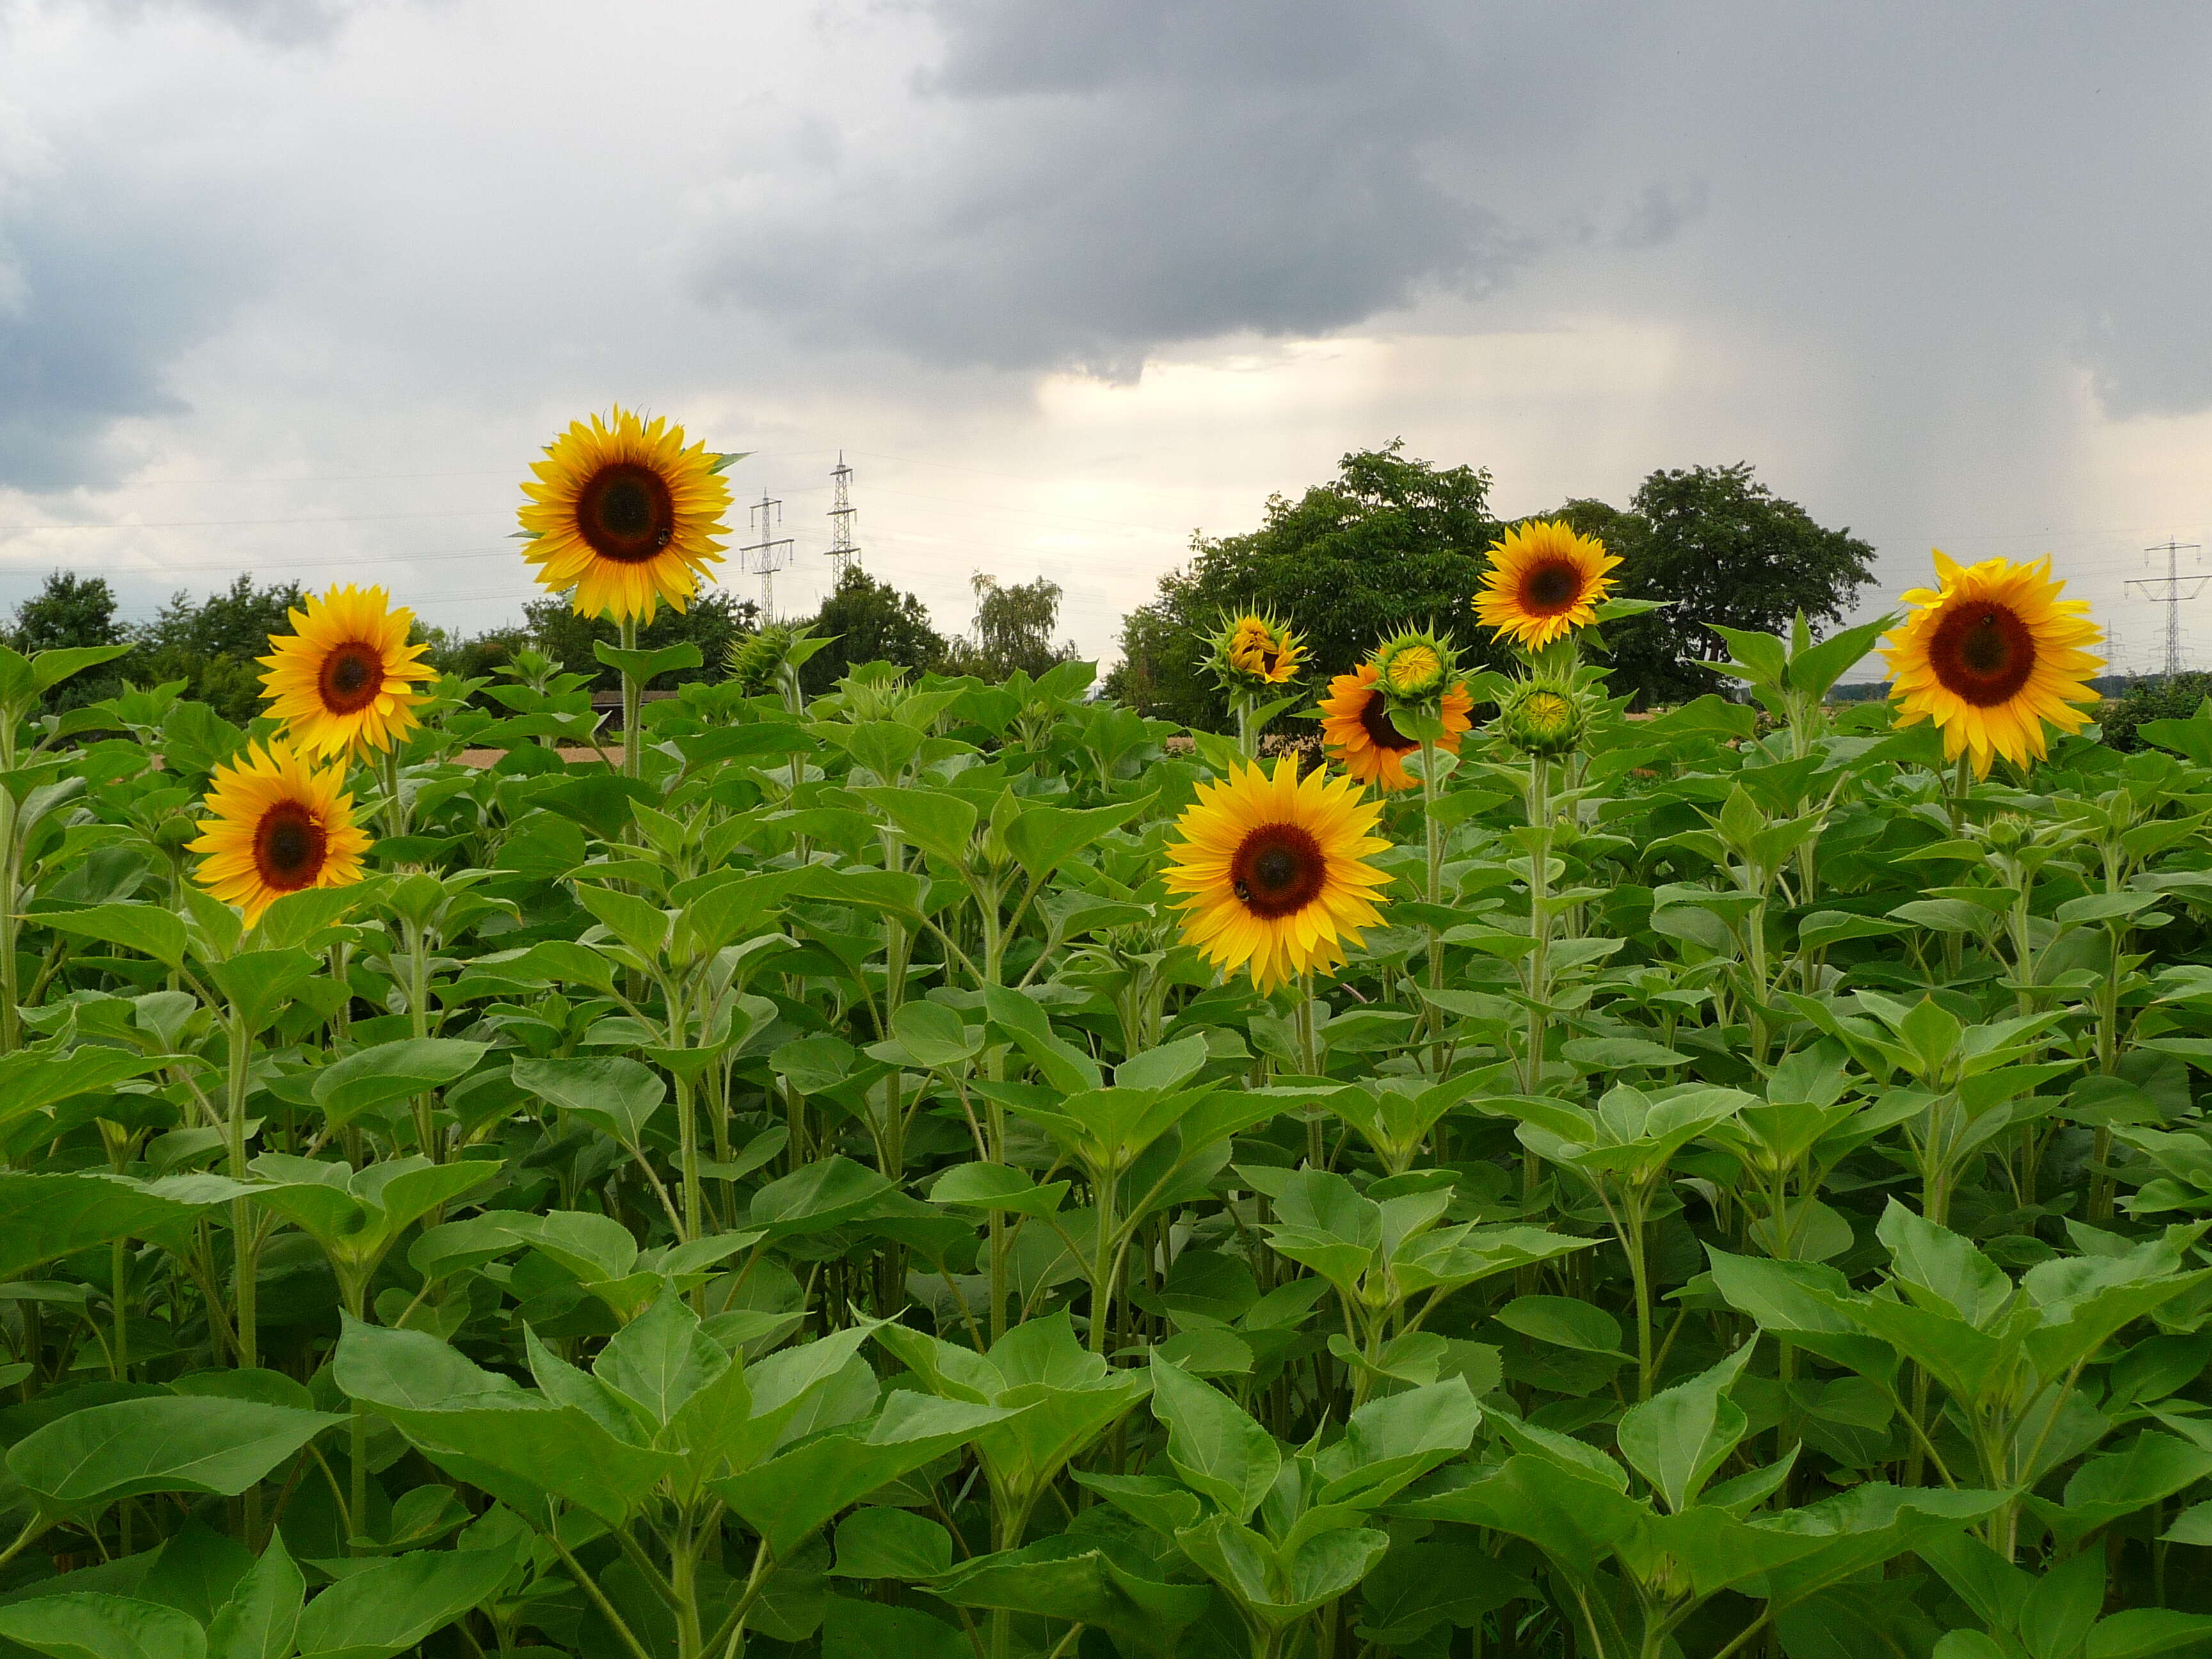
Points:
x=1551, y=587
x=624, y=512
x=352, y=677
x=1375, y=720
x=1983, y=654
x=289, y=848
x=1277, y=871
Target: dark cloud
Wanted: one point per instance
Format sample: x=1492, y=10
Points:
x=102, y=288
x=1093, y=179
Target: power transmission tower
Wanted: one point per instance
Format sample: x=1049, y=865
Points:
x=764, y=557
x=842, y=549
x=2166, y=591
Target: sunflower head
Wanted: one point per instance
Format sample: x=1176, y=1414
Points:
x=1272, y=872
x=756, y=659
x=1415, y=667
x=1544, y=581
x=346, y=681
x=624, y=516
x=1252, y=652
x=1543, y=717
x=1357, y=732
x=1993, y=655
x=277, y=825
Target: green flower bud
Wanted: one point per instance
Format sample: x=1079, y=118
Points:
x=1544, y=718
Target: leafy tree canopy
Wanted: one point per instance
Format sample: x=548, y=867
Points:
x=1014, y=626
x=1723, y=548
x=1389, y=541
x=870, y=621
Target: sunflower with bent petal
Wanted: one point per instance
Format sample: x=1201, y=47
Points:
x=1357, y=731
x=625, y=515
x=1544, y=582
x=1272, y=870
x=1993, y=655
x=344, y=680
x=280, y=825
x=1262, y=650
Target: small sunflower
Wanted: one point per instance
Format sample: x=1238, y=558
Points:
x=280, y=825
x=343, y=680
x=625, y=515
x=1256, y=651
x=1357, y=731
x=1544, y=719
x=1272, y=870
x=1415, y=667
x=1544, y=581
x=1992, y=656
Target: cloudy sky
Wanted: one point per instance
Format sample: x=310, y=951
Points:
x=300, y=286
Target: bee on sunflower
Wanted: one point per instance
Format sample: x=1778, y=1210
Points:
x=1544, y=581
x=1993, y=655
x=625, y=515
x=279, y=826
x=346, y=681
x=1272, y=870
x=1357, y=732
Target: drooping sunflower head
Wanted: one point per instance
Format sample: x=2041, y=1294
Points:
x=1544, y=718
x=278, y=825
x=625, y=515
x=1992, y=655
x=1414, y=667
x=346, y=681
x=1272, y=872
x=1544, y=581
x=1357, y=732
x=1251, y=652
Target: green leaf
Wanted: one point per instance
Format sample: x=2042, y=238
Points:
x=1215, y=1448
x=939, y=824
x=385, y=1609
x=1562, y=1321
x=90, y=1458
x=142, y=927
x=1679, y=1438
x=85, y=1624
x=888, y=1543
x=378, y=1077
x=646, y=666
x=259, y=1619
x=1042, y=837
x=617, y=1096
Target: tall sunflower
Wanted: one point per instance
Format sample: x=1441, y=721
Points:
x=1357, y=731
x=343, y=680
x=1992, y=655
x=626, y=515
x=280, y=825
x=1272, y=871
x=1544, y=581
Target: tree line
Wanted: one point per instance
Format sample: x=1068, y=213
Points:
x=1390, y=540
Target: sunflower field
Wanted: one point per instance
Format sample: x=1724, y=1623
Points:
x=964, y=1171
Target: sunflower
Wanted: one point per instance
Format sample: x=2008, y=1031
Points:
x=1357, y=731
x=1544, y=718
x=280, y=825
x=1273, y=870
x=1544, y=582
x=343, y=680
x=1255, y=650
x=1991, y=656
x=624, y=514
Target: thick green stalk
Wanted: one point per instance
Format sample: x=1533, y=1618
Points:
x=632, y=743
x=242, y=1219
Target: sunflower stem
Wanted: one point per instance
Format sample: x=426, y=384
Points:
x=630, y=694
x=395, y=805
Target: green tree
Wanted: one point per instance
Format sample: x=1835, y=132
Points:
x=869, y=621
x=714, y=620
x=70, y=610
x=1014, y=627
x=1724, y=548
x=211, y=644
x=1389, y=541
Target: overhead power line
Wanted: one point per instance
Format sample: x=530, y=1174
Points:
x=2167, y=590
